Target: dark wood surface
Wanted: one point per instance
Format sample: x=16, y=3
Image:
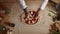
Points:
x=3, y=32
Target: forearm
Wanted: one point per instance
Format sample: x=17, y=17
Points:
x=22, y=3
x=43, y=5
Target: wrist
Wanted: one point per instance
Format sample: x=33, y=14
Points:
x=38, y=9
x=25, y=10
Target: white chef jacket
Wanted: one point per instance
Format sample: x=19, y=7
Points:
x=43, y=5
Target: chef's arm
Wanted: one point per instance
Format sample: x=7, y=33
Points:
x=43, y=5
x=23, y=5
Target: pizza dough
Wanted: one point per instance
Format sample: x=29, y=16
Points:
x=30, y=19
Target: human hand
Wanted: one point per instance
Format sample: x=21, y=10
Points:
x=37, y=13
x=25, y=11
